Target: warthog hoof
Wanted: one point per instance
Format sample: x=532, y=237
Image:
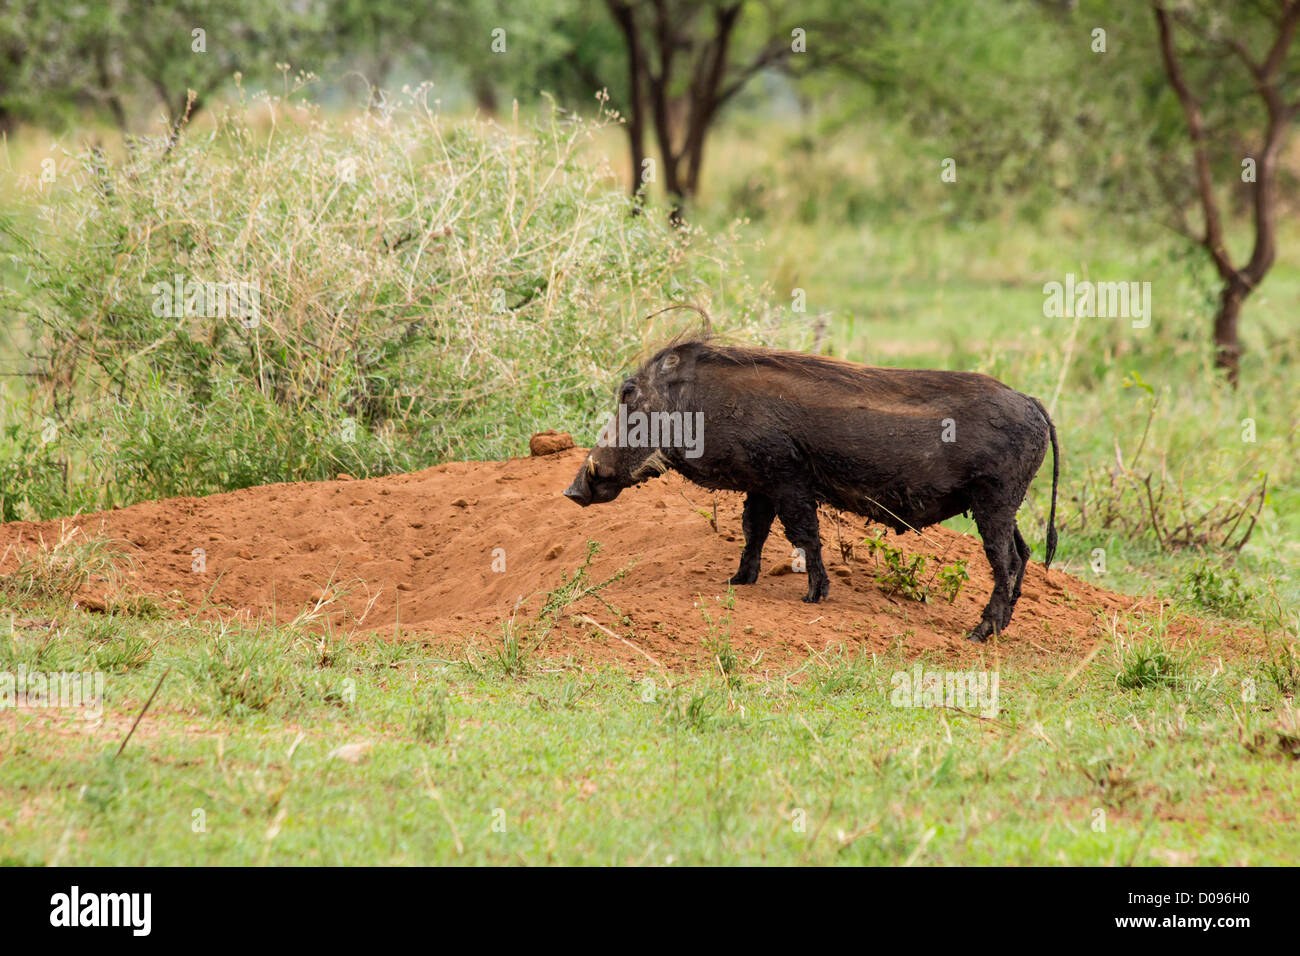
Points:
x=816, y=591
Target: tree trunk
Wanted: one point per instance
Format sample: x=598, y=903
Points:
x=1238, y=283
x=674, y=186
x=1227, y=345
x=625, y=17
x=636, y=147
x=671, y=30
x=485, y=95
x=108, y=89
x=704, y=102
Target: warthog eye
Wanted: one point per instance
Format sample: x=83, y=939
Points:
x=629, y=389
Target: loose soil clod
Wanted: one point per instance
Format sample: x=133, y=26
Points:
x=550, y=442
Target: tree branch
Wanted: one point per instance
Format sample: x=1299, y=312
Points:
x=1213, y=236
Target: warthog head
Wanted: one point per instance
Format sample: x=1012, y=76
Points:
x=650, y=400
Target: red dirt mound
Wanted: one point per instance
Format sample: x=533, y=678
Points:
x=449, y=553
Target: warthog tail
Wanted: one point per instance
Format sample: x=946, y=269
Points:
x=1056, y=477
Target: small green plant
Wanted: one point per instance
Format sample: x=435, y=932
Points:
x=117, y=648
x=1217, y=589
x=520, y=642
x=328, y=649
x=951, y=579
x=901, y=575
x=1148, y=665
x=906, y=576
x=695, y=711
x=832, y=679
x=511, y=658
x=429, y=720
x=1282, y=669
x=243, y=672
x=143, y=606
x=718, y=641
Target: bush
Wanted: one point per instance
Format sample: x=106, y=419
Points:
x=386, y=293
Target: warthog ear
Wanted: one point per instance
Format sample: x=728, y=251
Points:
x=673, y=371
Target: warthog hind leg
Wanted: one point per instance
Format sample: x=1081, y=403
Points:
x=1004, y=555
x=799, y=518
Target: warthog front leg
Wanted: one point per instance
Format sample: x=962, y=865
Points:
x=756, y=522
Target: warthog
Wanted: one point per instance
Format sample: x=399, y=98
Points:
x=902, y=447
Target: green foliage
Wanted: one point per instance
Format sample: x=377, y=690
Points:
x=718, y=639
x=520, y=640
x=424, y=291
x=1145, y=657
x=906, y=575
x=951, y=578
x=1217, y=588
x=1147, y=665
x=127, y=59
x=33, y=474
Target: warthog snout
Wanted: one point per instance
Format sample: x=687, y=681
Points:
x=579, y=492
x=595, y=483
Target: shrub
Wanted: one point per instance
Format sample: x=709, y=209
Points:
x=387, y=293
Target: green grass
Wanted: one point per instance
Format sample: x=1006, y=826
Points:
x=1147, y=753
x=238, y=759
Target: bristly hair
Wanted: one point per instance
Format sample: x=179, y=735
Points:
x=703, y=334
x=654, y=466
x=820, y=366
x=706, y=324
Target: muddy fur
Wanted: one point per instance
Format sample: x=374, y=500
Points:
x=793, y=431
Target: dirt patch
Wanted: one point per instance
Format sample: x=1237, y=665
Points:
x=451, y=552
